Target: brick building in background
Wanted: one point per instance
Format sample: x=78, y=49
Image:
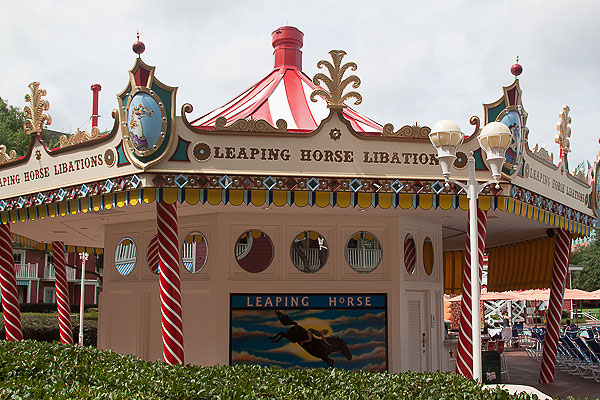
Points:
x=35, y=274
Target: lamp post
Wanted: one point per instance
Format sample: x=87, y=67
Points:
x=84, y=257
x=494, y=139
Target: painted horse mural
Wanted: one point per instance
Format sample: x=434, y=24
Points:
x=317, y=347
x=136, y=129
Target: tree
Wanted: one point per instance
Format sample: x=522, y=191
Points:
x=589, y=258
x=12, y=133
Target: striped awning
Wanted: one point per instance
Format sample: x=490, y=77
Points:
x=281, y=198
x=521, y=266
x=125, y=268
x=283, y=94
x=33, y=244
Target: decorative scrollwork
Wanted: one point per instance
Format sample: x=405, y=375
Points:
x=35, y=118
x=5, y=156
x=564, y=131
x=475, y=121
x=78, y=137
x=407, y=131
x=543, y=154
x=250, y=125
x=335, y=97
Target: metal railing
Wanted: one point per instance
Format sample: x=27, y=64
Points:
x=49, y=273
x=312, y=256
x=26, y=271
x=363, y=259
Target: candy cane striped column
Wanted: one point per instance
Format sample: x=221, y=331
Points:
x=8, y=286
x=170, y=287
x=464, y=353
x=62, y=293
x=553, y=313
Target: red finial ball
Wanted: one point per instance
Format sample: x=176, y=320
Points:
x=138, y=47
x=516, y=69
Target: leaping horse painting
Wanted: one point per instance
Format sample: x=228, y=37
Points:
x=316, y=347
x=136, y=129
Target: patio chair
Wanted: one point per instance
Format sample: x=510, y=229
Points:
x=500, y=347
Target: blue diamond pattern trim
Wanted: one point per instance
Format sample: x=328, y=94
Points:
x=41, y=198
x=21, y=201
x=513, y=191
x=2, y=205
x=225, y=181
x=108, y=186
x=61, y=194
x=269, y=182
x=437, y=187
x=181, y=181
x=313, y=184
x=135, y=181
x=84, y=190
x=527, y=196
x=355, y=185
x=397, y=186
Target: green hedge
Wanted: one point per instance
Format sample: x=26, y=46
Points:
x=44, y=327
x=30, y=369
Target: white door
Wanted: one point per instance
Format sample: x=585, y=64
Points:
x=417, y=332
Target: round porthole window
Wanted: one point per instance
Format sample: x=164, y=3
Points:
x=152, y=255
x=428, y=256
x=410, y=254
x=363, y=251
x=194, y=252
x=254, y=251
x=309, y=251
x=125, y=256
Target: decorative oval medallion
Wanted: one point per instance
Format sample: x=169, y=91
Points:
x=145, y=122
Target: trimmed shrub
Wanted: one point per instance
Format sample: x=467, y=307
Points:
x=44, y=328
x=51, y=307
x=51, y=370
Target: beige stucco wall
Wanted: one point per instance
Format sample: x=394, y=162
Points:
x=129, y=320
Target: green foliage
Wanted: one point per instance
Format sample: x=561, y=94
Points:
x=588, y=258
x=12, y=133
x=43, y=327
x=54, y=371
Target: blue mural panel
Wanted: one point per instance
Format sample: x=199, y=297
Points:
x=309, y=330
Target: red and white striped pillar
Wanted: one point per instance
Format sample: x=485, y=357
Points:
x=62, y=293
x=8, y=286
x=170, y=286
x=464, y=353
x=553, y=313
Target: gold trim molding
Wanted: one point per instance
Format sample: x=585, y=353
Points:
x=250, y=125
x=335, y=97
x=543, y=154
x=6, y=157
x=413, y=132
x=78, y=137
x=564, y=131
x=35, y=118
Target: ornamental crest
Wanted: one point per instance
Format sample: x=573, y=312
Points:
x=147, y=115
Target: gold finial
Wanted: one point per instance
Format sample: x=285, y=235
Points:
x=6, y=156
x=564, y=132
x=34, y=113
x=335, y=84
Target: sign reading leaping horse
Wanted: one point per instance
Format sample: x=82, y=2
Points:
x=322, y=330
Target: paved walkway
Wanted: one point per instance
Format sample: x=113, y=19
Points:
x=525, y=371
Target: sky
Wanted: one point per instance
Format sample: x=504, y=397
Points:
x=418, y=61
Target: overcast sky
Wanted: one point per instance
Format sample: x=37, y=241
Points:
x=418, y=61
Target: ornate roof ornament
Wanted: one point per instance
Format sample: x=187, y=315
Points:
x=35, y=118
x=5, y=156
x=78, y=137
x=250, y=125
x=335, y=97
x=543, y=154
x=564, y=132
x=407, y=131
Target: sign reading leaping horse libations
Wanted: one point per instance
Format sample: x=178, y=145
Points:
x=310, y=330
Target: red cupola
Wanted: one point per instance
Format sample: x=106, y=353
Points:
x=287, y=42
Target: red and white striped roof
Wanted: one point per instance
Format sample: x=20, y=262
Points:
x=285, y=94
